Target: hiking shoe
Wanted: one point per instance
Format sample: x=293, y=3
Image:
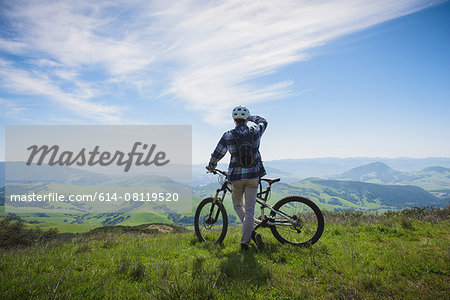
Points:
x=256, y=237
x=244, y=247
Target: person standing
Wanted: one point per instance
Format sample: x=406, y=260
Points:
x=245, y=168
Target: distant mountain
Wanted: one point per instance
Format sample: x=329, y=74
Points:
x=437, y=169
x=207, y=190
x=290, y=170
x=201, y=177
x=430, y=178
x=19, y=171
x=338, y=194
x=365, y=187
x=377, y=172
x=344, y=195
x=324, y=167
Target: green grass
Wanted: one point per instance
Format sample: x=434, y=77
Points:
x=68, y=222
x=359, y=256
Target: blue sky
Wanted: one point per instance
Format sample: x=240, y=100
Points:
x=337, y=78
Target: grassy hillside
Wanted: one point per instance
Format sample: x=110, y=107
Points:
x=344, y=195
x=394, y=255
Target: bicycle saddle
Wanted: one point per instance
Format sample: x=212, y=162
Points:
x=270, y=181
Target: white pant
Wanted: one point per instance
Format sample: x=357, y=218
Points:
x=249, y=187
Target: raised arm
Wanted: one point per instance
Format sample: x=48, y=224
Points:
x=260, y=121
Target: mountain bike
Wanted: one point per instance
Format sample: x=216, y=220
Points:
x=295, y=220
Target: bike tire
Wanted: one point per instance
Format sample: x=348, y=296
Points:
x=203, y=229
x=309, y=221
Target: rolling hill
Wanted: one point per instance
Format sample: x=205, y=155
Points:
x=430, y=178
x=355, y=195
x=346, y=195
x=377, y=172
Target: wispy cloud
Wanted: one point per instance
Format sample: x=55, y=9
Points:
x=205, y=54
x=36, y=83
x=8, y=107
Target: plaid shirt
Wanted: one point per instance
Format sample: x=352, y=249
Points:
x=228, y=143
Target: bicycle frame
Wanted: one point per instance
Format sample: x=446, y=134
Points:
x=261, y=198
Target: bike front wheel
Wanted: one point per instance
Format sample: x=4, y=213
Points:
x=211, y=221
x=302, y=223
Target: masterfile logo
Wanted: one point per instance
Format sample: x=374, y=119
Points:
x=91, y=158
x=105, y=169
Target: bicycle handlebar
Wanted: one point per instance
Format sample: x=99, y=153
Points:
x=215, y=171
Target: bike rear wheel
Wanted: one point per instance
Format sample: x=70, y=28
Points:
x=307, y=225
x=211, y=221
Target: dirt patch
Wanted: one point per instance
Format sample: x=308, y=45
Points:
x=160, y=228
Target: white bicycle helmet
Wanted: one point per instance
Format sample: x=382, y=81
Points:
x=240, y=112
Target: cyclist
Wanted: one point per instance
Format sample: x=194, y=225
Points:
x=244, y=179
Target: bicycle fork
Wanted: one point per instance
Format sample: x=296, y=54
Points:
x=211, y=219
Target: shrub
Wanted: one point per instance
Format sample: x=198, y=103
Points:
x=403, y=217
x=14, y=233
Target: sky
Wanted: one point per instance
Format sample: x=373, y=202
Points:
x=342, y=78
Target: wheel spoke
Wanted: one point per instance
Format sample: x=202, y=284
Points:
x=306, y=222
x=210, y=221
